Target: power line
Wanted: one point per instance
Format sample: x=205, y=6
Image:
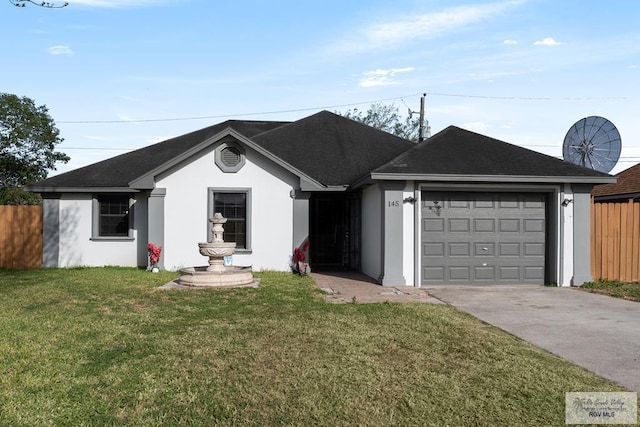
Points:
x=221, y=116
x=297, y=110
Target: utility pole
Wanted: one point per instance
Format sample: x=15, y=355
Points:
x=421, y=130
x=425, y=129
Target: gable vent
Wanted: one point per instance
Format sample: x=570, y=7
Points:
x=230, y=156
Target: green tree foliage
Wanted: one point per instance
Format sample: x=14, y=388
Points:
x=386, y=118
x=17, y=196
x=28, y=137
x=23, y=3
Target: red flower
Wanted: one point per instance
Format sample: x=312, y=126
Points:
x=154, y=253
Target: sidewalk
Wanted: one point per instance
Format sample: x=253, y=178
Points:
x=349, y=286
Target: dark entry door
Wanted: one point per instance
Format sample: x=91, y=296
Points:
x=334, y=232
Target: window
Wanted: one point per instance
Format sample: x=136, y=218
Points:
x=112, y=216
x=235, y=206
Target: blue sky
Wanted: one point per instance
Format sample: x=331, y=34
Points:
x=122, y=74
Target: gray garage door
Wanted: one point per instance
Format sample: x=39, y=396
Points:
x=483, y=238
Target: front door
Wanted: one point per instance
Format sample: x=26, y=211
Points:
x=334, y=232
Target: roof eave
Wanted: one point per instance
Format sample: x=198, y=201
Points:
x=148, y=180
x=606, y=197
x=493, y=178
x=54, y=189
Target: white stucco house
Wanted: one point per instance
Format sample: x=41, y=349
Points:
x=457, y=208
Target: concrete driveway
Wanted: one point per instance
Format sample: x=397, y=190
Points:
x=599, y=333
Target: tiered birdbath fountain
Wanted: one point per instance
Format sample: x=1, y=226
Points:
x=216, y=274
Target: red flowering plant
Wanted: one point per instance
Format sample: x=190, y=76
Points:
x=154, y=254
x=299, y=257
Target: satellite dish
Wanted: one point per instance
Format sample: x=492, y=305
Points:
x=593, y=142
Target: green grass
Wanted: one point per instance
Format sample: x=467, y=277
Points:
x=613, y=288
x=106, y=347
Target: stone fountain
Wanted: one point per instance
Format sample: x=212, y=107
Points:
x=217, y=274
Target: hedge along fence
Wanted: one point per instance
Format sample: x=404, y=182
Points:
x=615, y=240
x=20, y=236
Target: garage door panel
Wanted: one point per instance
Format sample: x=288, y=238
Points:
x=484, y=249
x=509, y=274
x=534, y=249
x=433, y=249
x=459, y=273
x=533, y=225
x=459, y=225
x=458, y=249
x=534, y=273
x=509, y=225
x=510, y=249
x=484, y=274
x=472, y=237
x=433, y=224
x=458, y=204
x=484, y=225
x=433, y=274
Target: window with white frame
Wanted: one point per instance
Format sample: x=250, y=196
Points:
x=235, y=206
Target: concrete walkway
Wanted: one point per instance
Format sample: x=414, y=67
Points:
x=349, y=286
x=599, y=333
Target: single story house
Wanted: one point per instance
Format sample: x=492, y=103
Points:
x=457, y=208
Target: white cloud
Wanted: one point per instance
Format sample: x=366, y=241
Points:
x=475, y=126
x=156, y=139
x=95, y=138
x=382, y=77
x=60, y=50
x=548, y=41
x=118, y=3
x=510, y=42
x=422, y=26
x=125, y=118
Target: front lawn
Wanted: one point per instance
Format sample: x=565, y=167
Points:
x=105, y=346
x=613, y=288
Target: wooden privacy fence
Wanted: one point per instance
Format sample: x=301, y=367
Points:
x=20, y=236
x=615, y=240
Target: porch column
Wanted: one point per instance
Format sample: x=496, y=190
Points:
x=50, y=230
x=300, y=219
x=581, y=234
x=391, y=250
x=155, y=216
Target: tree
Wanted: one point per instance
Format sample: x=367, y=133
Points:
x=28, y=137
x=386, y=118
x=23, y=3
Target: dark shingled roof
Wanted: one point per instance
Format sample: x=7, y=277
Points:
x=455, y=151
x=628, y=183
x=120, y=170
x=332, y=149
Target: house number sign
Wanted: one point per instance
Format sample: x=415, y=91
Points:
x=393, y=204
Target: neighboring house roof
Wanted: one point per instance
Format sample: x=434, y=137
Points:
x=328, y=150
x=628, y=185
x=458, y=153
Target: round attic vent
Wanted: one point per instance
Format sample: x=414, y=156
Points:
x=229, y=157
